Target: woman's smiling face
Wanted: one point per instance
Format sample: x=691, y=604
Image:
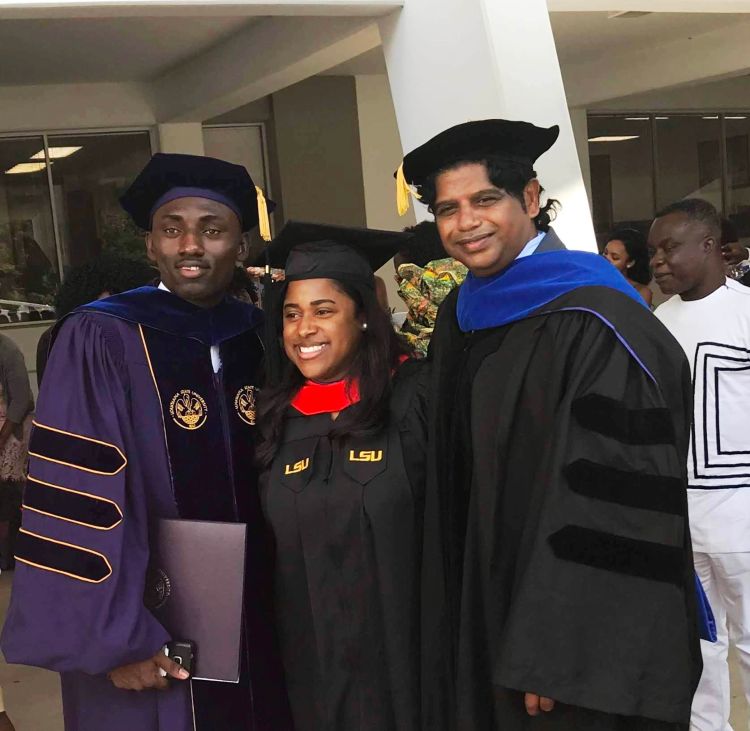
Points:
x=616, y=253
x=322, y=329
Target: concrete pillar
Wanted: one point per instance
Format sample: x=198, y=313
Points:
x=317, y=141
x=459, y=60
x=380, y=146
x=184, y=137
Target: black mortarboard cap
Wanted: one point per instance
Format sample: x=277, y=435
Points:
x=178, y=175
x=520, y=143
x=324, y=251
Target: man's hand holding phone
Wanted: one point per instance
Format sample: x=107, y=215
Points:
x=151, y=674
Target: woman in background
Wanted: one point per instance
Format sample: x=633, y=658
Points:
x=627, y=251
x=16, y=413
x=425, y=275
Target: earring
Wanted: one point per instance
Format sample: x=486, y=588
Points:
x=364, y=327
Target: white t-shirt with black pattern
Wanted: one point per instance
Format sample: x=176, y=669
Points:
x=714, y=332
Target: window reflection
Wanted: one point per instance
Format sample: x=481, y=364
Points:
x=641, y=162
x=737, y=128
x=621, y=155
x=28, y=258
x=89, y=173
x=688, y=158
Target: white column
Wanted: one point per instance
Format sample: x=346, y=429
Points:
x=458, y=60
x=184, y=137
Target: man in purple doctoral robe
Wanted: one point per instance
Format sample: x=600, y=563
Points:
x=147, y=412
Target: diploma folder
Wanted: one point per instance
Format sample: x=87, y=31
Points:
x=195, y=589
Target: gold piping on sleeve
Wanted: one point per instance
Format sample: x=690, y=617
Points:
x=75, y=492
x=87, y=439
x=66, y=573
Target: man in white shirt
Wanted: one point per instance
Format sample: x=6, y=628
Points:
x=709, y=315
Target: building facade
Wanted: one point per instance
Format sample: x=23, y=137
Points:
x=320, y=99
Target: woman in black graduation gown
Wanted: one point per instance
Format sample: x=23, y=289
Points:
x=343, y=442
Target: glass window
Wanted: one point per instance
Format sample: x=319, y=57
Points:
x=28, y=258
x=621, y=157
x=737, y=130
x=688, y=160
x=89, y=174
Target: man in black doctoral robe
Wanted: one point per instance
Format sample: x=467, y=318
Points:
x=560, y=416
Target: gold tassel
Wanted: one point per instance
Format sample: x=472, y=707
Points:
x=403, y=192
x=264, y=224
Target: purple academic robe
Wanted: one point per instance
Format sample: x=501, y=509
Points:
x=111, y=452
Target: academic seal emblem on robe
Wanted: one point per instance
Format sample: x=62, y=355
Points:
x=244, y=403
x=158, y=588
x=188, y=409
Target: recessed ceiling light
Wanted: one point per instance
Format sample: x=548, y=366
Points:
x=637, y=119
x=26, y=167
x=711, y=117
x=55, y=153
x=738, y=117
x=614, y=138
x=661, y=118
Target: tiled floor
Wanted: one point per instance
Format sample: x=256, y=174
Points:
x=32, y=696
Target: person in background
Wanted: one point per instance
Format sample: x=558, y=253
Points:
x=343, y=443
x=733, y=251
x=243, y=287
x=627, y=251
x=558, y=434
x=425, y=276
x=736, y=255
x=709, y=315
x=104, y=276
x=16, y=414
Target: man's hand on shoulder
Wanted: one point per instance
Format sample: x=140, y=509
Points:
x=534, y=704
x=145, y=675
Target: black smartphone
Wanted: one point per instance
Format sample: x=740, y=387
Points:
x=182, y=652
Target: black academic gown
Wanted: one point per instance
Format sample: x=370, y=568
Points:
x=558, y=447
x=347, y=522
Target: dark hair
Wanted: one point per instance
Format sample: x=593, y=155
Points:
x=373, y=365
x=510, y=177
x=424, y=246
x=696, y=209
x=636, y=247
x=107, y=273
x=242, y=286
